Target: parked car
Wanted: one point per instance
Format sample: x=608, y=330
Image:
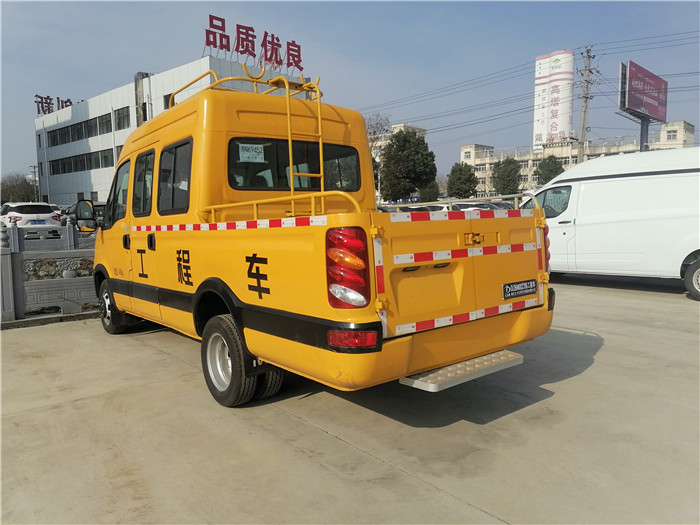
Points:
x=503, y=205
x=475, y=205
x=27, y=214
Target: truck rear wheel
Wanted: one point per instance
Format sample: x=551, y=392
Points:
x=113, y=321
x=269, y=383
x=692, y=280
x=222, y=362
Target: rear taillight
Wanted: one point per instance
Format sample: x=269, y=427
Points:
x=350, y=339
x=546, y=247
x=14, y=218
x=347, y=268
x=57, y=218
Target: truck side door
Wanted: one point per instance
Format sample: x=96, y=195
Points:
x=115, y=238
x=143, y=262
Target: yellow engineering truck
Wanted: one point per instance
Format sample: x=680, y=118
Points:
x=248, y=220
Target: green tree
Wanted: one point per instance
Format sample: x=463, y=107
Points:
x=430, y=193
x=462, y=181
x=17, y=187
x=506, y=176
x=549, y=168
x=407, y=165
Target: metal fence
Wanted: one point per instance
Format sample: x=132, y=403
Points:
x=43, y=269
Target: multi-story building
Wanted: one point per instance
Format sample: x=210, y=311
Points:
x=79, y=145
x=671, y=135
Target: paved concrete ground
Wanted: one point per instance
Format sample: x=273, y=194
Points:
x=599, y=425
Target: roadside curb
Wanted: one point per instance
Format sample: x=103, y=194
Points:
x=49, y=319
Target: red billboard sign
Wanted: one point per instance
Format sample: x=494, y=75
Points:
x=644, y=94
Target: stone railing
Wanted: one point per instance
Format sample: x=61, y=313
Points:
x=43, y=272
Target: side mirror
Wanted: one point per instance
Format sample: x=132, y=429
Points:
x=85, y=212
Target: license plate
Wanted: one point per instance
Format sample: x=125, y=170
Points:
x=519, y=289
x=38, y=222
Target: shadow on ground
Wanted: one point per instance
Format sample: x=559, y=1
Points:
x=557, y=356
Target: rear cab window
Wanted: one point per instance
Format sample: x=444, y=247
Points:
x=260, y=163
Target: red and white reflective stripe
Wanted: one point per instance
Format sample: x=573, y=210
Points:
x=429, y=324
x=423, y=216
x=289, y=222
x=379, y=273
x=410, y=258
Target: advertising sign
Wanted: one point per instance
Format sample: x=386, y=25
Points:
x=642, y=94
x=554, y=97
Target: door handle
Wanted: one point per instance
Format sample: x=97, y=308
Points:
x=126, y=241
x=151, y=241
x=564, y=222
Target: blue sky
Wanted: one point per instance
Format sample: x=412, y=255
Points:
x=368, y=55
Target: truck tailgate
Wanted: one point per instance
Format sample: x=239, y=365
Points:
x=436, y=269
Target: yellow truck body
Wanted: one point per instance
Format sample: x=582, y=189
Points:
x=208, y=231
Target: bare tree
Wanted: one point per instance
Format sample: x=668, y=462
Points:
x=17, y=187
x=378, y=130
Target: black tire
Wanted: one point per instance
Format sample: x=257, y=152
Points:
x=692, y=280
x=222, y=362
x=269, y=383
x=113, y=321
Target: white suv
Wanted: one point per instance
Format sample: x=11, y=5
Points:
x=28, y=214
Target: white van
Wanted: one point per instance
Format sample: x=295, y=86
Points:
x=635, y=214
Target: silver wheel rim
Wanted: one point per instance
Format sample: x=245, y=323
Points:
x=696, y=279
x=219, y=362
x=106, y=308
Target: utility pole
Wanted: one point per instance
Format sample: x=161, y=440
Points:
x=35, y=181
x=586, y=72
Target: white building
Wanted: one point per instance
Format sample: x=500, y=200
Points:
x=679, y=134
x=79, y=145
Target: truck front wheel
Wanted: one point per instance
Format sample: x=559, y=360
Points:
x=222, y=362
x=692, y=280
x=113, y=321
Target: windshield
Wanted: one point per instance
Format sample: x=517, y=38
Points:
x=31, y=209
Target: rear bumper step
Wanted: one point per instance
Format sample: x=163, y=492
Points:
x=453, y=375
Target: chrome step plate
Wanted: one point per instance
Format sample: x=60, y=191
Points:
x=452, y=375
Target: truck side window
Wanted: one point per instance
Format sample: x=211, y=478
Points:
x=115, y=209
x=555, y=201
x=174, y=178
x=143, y=184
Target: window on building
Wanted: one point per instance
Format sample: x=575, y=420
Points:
x=94, y=160
x=166, y=101
x=41, y=169
x=524, y=164
x=67, y=165
x=481, y=181
x=81, y=195
x=536, y=163
x=80, y=163
x=38, y=140
x=93, y=196
x=106, y=158
x=53, y=138
x=55, y=166
x=535, y=177
x=121, y=118
x=174, y=178
x=480, y=167
x=104, y=124
x=91, y=129
x=143, y=184
x=523, y=178
x=77, y=131
x=64, y=135
x=671, y=134
x=467, y=155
